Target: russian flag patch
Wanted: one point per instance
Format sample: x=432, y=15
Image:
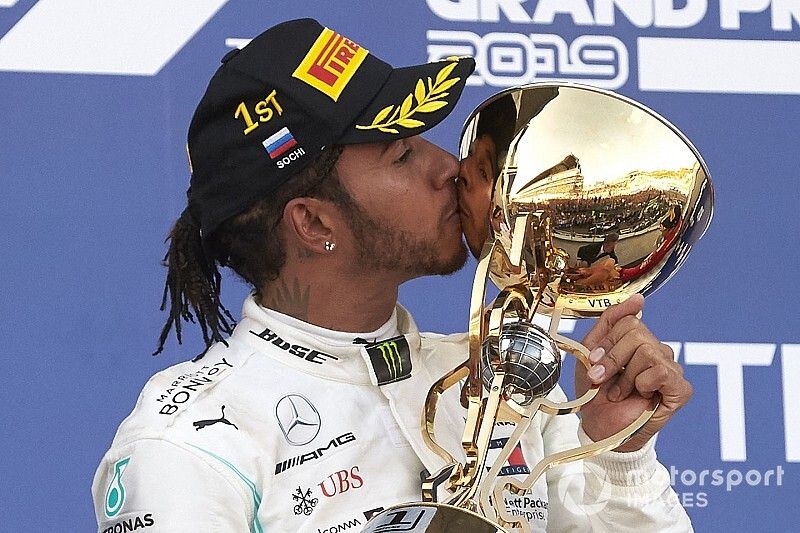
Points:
x=278, y=143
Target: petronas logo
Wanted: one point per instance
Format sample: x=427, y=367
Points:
x=115, y=495
x=391, y=360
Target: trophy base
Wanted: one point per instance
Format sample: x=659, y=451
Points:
x=430, y=518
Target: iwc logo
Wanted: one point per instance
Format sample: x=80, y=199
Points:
x=298, y=419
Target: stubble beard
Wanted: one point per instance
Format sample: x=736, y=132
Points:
x=381, y=248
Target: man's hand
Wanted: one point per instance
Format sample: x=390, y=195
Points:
x=630, y=365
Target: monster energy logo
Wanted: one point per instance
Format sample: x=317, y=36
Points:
x=391, y=356
x=391, y=360
x=115, y=495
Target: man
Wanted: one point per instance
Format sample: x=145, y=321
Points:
x=311, y=182
x=590, y=253
x=495, y=128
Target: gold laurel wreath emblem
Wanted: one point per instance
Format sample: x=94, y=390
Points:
x=428, y=99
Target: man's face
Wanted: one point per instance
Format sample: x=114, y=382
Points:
x=475, y=184
x=405, y=218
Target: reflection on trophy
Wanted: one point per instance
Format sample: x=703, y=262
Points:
x=589, y=198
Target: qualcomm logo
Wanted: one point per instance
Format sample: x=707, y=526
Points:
x=110, y=37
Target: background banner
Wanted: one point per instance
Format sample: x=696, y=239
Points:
x=95, y=100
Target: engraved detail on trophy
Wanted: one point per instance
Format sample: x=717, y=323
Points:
x=578, y=198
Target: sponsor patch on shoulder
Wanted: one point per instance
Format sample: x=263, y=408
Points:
x=115, y=494
x=188, y=385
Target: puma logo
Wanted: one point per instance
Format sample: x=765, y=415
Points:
x=200, y=424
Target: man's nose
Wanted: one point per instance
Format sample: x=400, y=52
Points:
x=466, y=170
x=447, y=169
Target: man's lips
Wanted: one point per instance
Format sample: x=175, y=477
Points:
x=453, y=211
x=463, y=210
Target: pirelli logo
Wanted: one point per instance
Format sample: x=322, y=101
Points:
x=331, y=63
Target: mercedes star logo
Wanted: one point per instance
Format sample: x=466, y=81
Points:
x=298, y=419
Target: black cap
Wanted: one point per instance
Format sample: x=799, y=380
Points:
x=297, y=88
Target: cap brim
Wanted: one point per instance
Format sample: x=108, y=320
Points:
x=412, y=101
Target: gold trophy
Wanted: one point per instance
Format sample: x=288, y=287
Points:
x=589, y=197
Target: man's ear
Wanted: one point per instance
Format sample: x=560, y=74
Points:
x=311, y=221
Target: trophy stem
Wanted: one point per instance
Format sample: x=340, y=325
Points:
x=477, y=322
x=522, y=421
x=429, y=416
x=477, y=445
x=504, y=518
x=469, y=486
x=481, y=414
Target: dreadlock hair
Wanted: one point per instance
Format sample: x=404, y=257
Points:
x=248, y=243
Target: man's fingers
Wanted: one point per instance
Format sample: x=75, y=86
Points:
x=675, y=391
x=630, y=307
x=646, y=361
x=651, y=380
x=618, y=347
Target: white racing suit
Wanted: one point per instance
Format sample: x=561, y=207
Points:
x=287, y=429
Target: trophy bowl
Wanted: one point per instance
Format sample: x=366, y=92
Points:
x=621, y=194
